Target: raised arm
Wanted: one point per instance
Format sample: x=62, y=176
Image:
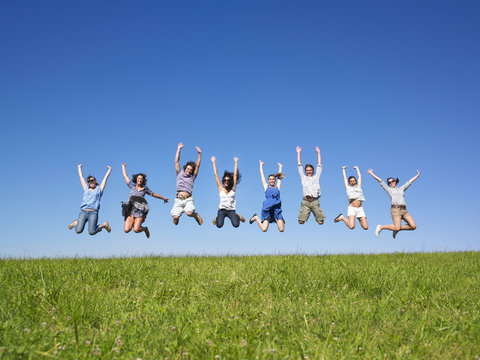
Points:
x=215, y=173
x=82, y=180
x=177, y=157
x=279, y=181
x=299, y=155
x=235, y=173
x=124, y=172
x=370, y=171
x=155, y=195
x=319, y=157
x=359, y=176
x=345, y=177
x=264, y=182
x=199, y=158
x=415, y=177
x=104, y=182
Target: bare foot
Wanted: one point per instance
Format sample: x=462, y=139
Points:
x=73, y=224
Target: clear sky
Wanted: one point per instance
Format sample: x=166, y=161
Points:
x=393, y=86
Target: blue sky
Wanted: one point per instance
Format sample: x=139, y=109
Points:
x=393, y=86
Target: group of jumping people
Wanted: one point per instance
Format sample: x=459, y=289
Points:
x=136, y=208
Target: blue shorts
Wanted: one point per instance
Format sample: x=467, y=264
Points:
x=272, y=213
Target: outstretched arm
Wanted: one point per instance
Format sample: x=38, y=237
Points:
x=177, y=157
x=124, y=172
x=215, y=173
x=104, y=182
x=319, y=157
x=345, y=177
x=299, y=155
x=359, y=176
x=82, y=180
x=415, y=177
x=264, y=183
x=279, y=181
x=199, y=158
x=235, y=172
x=370, y=171
x=165, y=200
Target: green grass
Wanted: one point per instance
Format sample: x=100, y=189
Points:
x=398, y=306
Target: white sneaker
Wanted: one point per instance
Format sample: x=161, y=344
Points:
x=394, y=234
x=72, y=224
x=378, y=230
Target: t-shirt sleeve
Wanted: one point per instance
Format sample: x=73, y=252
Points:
x=383, y=185
x=300, y=170
x=406, y=185
x=319, y=171
x=148, y=191
x=131, y=185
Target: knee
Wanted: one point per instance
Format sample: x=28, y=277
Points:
x=189, y=213
x=413, y=226
x=219, y=225
x=320, y=222
x=137, y=229
x=301, y=222
x=281, y=230
x=127, y=230
x=236, y=225
x=397, y=228
x=92, y=232
x=351, y=227
x=365, y=227
x=78, y=231
x=264, y=230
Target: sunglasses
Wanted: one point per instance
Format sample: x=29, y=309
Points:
x=391, y=181
x=91, y=180
x=227, y=180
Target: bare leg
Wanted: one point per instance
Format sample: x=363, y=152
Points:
x=350, y=222
x=128, y=225
x=176, y=219
x=281, y=225
x=138, y=228
x=410, y=223
x=196, y=216
x=262, y=225
x=363, y=222
x=396, y=226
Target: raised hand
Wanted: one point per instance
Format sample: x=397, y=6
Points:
x=261, y=162
x=180, y=145
x=235, y=158
x=124, y=164
x=109, y=168
x=165, y=201
x=213, y=158
x=355, y=167
x=344, y=167
x=198, y=149
x=317, y=149
x=80, y=165
x=418, y=173
x=299, y=149
x=370, y=171
x=279, y=164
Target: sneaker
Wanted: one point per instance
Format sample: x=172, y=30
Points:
x=337, y=219
x=378, y=230
x=147, y=232
x=394, y=234
x=107, y=227
x=252, y=219
x=199, y=219
x=72, y=224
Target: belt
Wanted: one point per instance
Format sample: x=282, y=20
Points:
x=310, y=198
x=399, y=206
x=181, y=197
x=89, y=210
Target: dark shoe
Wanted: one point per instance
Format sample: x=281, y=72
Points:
x=252, y=219
x=147, y=232
x=337, y=219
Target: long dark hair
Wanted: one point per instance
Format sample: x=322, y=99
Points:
x=229, y=174
x=279, y=175
x=135, y=176
x=352, y=177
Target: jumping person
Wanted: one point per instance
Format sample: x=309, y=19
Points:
x=185, y=179
x=311, y=189
x=399, y=207
x=227, y=191
x=136, y=208
x=355, y=199
x=90, y=204
x=272, y=205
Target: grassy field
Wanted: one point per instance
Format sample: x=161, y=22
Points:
x=398, y=306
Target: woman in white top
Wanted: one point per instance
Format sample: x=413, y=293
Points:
x=399, y=207
x=226, y=191
x=355, y=199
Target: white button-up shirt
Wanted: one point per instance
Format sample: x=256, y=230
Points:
x=311, y=184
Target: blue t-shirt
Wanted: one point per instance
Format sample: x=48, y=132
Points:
x=91, y=198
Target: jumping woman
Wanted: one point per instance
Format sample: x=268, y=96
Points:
x=399, y=207
x=355, y=199
x=185, y=179
x=227, y=191
x=135, y=210
x=90, y=204
x=272, y=205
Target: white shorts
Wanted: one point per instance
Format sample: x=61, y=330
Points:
x=181, y=206
x=356, y=211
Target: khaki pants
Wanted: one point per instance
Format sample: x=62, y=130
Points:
x=306, y=207
x=399, y=212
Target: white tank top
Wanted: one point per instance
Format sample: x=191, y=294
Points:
x=227, y=201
